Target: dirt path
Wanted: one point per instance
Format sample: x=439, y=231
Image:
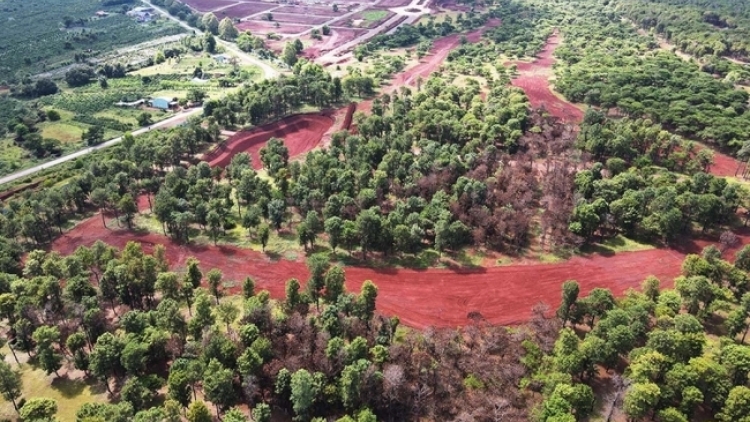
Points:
x=435, y=297
x=301, y=133
x=534, y=78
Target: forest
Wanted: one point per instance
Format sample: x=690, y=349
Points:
x=697, y=27
x=460, y=162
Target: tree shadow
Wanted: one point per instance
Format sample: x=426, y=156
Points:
x=70, y=388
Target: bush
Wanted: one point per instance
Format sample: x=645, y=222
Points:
x=53, y=115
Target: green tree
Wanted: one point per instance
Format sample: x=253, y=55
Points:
x=334, y=284
x=262, y=413
x=198, y=412
x=128, y=208
x=248, y=288
x=641, y=399
x=10, y=383
x=194, y=275
x=214, y=277
x=366, y=301
x=737, y=406
x=178, y=383
x=304, y=390
x=210, y=23
x=570, y=291
x=227, y=313
x=334, y=228
x=38, y=409
x=105, y=357
x=293, y=297
x=289, y=55
x=227, y=30
x=264, y=233
x=218, y=385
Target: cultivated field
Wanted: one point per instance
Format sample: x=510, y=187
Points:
x=244, y=10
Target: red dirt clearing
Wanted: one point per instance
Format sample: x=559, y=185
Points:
x=309, y=10
x=438, y=53
x=301, y=133
x=441, y=297
x=208, y=5
x=534, y=80
x=726, y=166
x=264, y=27
x=394, y=3
x=300, y=18
x=540, y=96
x=244, y=10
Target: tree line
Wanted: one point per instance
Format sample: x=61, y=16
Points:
x=172, y=345
x=657, y=346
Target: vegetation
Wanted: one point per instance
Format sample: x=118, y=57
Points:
x=41, y=38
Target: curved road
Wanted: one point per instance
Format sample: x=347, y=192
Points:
x=268, y=72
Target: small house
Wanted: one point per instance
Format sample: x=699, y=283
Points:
x=221, y=59
x=163, y=103
x=101, y=14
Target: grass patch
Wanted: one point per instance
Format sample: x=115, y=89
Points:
x=70, y=394
x=374, y=15
x=616, y=244
x=63, y=132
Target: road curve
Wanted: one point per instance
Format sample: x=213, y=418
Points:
x=268, y=72
x=172, y=121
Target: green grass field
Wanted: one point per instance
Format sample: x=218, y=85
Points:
x=374, y=15
x=62, y=131
x=70, y=393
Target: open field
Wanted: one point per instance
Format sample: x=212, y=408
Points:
x=300, y=19
x=309, y=10
x=243, y=10
x=264, y=27
x=70, y=390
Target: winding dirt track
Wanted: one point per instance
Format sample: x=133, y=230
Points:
x=435, y=297
x=301, y=133
x=534, y=79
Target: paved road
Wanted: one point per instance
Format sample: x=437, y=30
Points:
x=268, y=72
x=411, y=17
x=172, y=121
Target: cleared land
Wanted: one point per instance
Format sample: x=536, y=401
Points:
x=300, y=19
x=300, y=133
x=310, y=10
x=265, y=27
x=244, y=10
x=534, y=80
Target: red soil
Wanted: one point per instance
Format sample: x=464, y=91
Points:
x=300, y=133
x=438, y=54
x=244, y=10
x=265, y=27
x=365, y=23
x=337, y=37
x=393, y=3
x=534, y=80
x=725, y=165
x=208, y=5
x=300, y=18
x=439, y=297
x=540, y=95
x=309, y=10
